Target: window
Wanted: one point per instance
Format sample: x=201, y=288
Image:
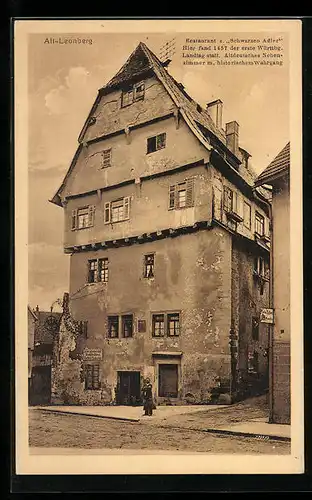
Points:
x=82, y=218
x=117, y=211
x=149, y=266
x=107, y=158
x=173, y=325
x=83, y=328
x=181, y=195
x=165, y=323
x=98, y=270
x=158, y=324
x=113, y=327
x=228, y=199
x=127, y=325
x=155, y=143
x=133, y=94
x=259, y=266
x=255, y=328
x=259, y=224
x=92, y=380
x=103, y=270
x=247, y=215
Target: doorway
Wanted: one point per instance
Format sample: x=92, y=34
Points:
x=168, y=381
x=40, y=390
x=128, y=388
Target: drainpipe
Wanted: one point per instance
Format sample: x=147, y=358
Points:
x=271, y=303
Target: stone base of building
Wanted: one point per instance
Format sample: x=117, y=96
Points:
x=280, y=411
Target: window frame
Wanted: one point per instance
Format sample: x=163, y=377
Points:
x=124, y=319
x=145, y=265
x=90, y=212
x=109, y=163
x=166, y=329
x=108, y=210
x=97, y=270
x=135, y=94
x=91, y=367
x=156, y=137
x=110, y=317
x=173, y=194
x=259, y=218
x=154, y=322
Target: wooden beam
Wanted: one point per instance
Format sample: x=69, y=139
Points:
x=103, y=244
x=159, y=233
x=93, y=245
x=172, y=231
x=177, y=118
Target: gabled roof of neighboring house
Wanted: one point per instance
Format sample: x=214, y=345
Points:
x=277, y=168
x=32, y=312
x=142, y=60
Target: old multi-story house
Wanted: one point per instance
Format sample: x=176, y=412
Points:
x=277, y=174
x=168, y=244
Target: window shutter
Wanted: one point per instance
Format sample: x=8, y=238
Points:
x=126, y=207
x=107, y=212
x=172, y=196
x=91, y=215
x=74, y=219
x=190, y=192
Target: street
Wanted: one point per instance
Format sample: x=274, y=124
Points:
x=79, y=431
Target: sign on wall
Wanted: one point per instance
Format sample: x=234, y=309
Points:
x=267, y=316
x=95, y=354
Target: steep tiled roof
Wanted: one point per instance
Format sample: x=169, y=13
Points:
x=279, y=166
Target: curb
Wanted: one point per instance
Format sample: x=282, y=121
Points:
x=263, y=437
x=64, y=412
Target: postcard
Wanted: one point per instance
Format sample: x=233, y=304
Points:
x=158, y=246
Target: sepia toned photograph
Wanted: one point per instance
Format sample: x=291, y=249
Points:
x=158, y=227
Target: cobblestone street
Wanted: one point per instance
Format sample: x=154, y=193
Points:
x=74, y=431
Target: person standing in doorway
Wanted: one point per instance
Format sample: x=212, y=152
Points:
x=147, y=397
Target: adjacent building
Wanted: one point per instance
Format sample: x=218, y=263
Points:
x=46, y=326
x=169, y=249
x=277, y=174
x=32, y=320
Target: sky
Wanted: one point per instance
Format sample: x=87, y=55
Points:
x=63, y=81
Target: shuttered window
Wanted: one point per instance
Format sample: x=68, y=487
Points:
x=82, y=218
x=107, y=158
x=117, y=211
x=92, y=374
x=182, y=195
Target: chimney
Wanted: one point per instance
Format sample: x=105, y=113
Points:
x=37, y=309
x=231, y=132
x=214, y=109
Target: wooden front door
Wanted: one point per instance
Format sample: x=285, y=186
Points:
x=168, y=381
x=128, y=388
x=40, y=388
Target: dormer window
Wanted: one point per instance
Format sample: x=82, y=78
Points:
x=133, y=94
